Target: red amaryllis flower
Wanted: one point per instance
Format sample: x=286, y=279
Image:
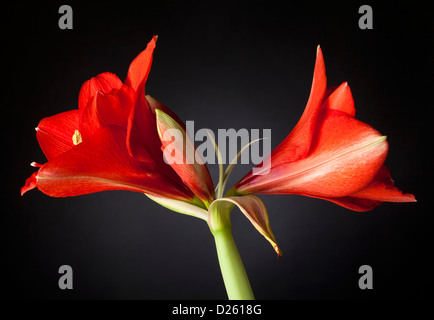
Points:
x=328, y=155
x=111, y=142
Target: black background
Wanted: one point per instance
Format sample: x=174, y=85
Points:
x=226, y=64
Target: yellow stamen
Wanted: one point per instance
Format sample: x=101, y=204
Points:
x=76, y=137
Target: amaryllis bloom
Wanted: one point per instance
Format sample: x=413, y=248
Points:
x=329, y=154
x=111, y=142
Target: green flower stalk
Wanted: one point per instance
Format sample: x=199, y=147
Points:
x=217, y=214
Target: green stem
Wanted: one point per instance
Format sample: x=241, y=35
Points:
x=234, y=275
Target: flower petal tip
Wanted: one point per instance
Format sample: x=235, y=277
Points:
x=35, y=165
x=30, y=183
x=278, y=251
x=409, y=197
x=160, y=117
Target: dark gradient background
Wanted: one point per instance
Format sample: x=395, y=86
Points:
x=227, y=65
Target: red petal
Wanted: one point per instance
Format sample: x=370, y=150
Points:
x=382, y=189
x=142, y=138
x=30, y=183
x=103, y=163
x=341, y=99
x=114, y=108
x=55, y=133
x=89, y=119
x=104, y=82
x=297, y=144
x=379, y=190
x=345, y=157
x=355, y=204
x=329, y=91
x=140, y=67
x=108, y=109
